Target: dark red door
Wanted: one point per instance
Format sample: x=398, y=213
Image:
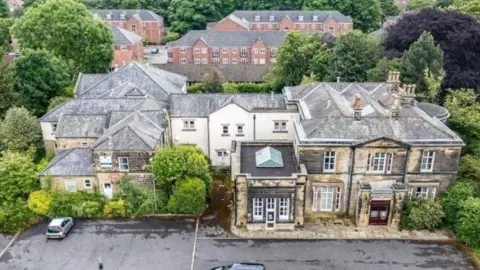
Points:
x=379, y=212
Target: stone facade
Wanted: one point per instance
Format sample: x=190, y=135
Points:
x=137, y=161
x=82, y=183
x=69, y=143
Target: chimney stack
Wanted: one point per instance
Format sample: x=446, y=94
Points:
x=272, y=95
x=408, y=94
x=393, y=81
x=357, y=107
x=395, y=107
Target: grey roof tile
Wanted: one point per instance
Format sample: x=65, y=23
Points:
x=230, y=38
x=84, y=81
x=71, y=162
x=323, y=15
x=124, y=37
x=116, y=14
x=81, y=126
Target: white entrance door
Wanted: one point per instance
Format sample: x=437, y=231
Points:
x=270, y=211
x=107, y=188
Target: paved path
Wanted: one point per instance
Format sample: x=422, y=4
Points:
x=165, y=244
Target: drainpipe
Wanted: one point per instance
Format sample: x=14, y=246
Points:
x=405, y=167
x=208, y=138
x=235, y=199
x=350, y=180
x=254, y=126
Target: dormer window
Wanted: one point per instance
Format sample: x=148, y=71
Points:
x=122, y=16
x=109, y=16
x=257, y=18
x=272, y=18
x=315, y=18
x=300, y=18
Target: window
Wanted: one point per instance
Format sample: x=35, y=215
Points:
x=183, y=60
x=337, y=199
x=300, y=18
x=87, y=183
x=427, y=161
x=243, y=52
x=271, y=18
x=273, y=52
x=279, y=126
x=331, y=29
x=204, y=50
x=302, y=26
x=216, y=60
x=204, y=61
x=259, y=26
x=255, y=51
x=84, y=144
x=183, y=50
x=234, y=50
x=222, y=153
x=234, y=61
x=257, y=209
x=123, y=48
x=262, y=61
x=105, y=161
x=283, y=209
x=323, y=198
x=257, y=18
x=329, y=161
x=262, y=50
x=133, y=28
x=196, y=50
x=286, y=28
x=379, y=162
x=315, y=18
x=423, y=191
x=70, y=185
x=197, y=60
x=255, y=61
x=188, y=124
x=243, y=60
x=314, y=26
x=54, y=127
x=123, y=164
x=215, y=52
x=239, y=130
x=224, y=130
x=225, y=50
x=270, y=26
x=109, y=16
x=225, y=60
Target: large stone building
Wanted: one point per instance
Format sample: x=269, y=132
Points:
x=333, y=22
x=142, y=22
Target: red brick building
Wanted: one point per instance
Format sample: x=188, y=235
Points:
x=284, y=20
x=141, y=22
x=230, y=47
x=128, y=47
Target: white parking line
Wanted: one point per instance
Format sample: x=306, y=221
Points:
x=194, y=246
x=9, y=244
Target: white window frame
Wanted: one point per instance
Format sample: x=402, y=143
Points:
x=257, y=18
x=428, y=159
x=84, y=144
x=106, y=164
x=69, y=185
x=279, y=125
x=224, y=50
x=196, y=50
x=326, y=198
x=123, y=48
x=197, y=61
x=240, y=129
x=183, y=50
x=255, y=61
x=234, y=50
x=300, y=18
x=243, y=60
x=225, y=128
x=215, y=52
x=133, y=28
x=257, y=211
x=329, y=161
x=204, y=61
x=425, y=191
x=183, y=60
x=262, y=50
x=315, y=18
x=271, y=18
x=243, y=52
x=234, y=61
x=204, y=50
x=54, y=127
x=89, y=185
x=120, y=164
x=216, y=60
x=189, y=124
x=331, y=29
x=225, y=61
x=270, y=26
x=284, y=209
x=255, y=50
x=381, y=159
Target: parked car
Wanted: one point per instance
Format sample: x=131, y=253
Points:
x=59, y=227
x=241, y=266
x=154, y=50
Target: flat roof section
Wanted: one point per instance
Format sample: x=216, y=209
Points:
x=248, y=160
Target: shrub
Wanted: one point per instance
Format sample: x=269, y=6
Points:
x=148, y=205
x=453, y=198
x=39, y=202
x=170, y=36
x=141, y=201
x=89, y=209
x=188, y=197
x=114, y=208
x=420, y=214
x=196, y=88
x=76, y=204
x=468, y=225
x=15, y=216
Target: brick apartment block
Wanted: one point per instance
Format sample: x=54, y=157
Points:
x=233, y=47
x=284, y=20
x=142, y=22
x=128, y=47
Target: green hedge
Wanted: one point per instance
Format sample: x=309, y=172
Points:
x=468, y=224
x=453, y=198
x=15, y=216
x=188, y=197
x=115, y=208
x=421, y=214
x=233, y=88
x=39, y=202
x=76, y=204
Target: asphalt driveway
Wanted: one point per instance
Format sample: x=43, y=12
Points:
x=164, y=244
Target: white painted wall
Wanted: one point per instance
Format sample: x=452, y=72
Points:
x=265, y=125
x=47, y=131
x=198, y=137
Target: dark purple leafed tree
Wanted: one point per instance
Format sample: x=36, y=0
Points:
x=458, y=35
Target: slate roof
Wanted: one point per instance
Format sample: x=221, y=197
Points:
x=202, y=105
x=136, y=132
x=152, y=81
x=124, y=37
x=142, y=14
x=81, y=126
x=84, y=81
x=327, y=116
x=231, y=73
x=323, y=15
x=71, y=162
x=230, y=38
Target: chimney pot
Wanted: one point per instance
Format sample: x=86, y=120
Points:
x=357, y=107
x=394, y=107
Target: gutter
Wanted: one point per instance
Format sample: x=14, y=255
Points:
x=405, y=167
x=350, y=180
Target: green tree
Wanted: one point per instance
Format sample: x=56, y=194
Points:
x=300, y=55
x=269, y=4
x=433, y=86
x=18, y=176
x=422, y=55
x=173, y=164
x=54, y=102
x=4, y=9
x=5, y=36
x=453, y=199
x=366, y=15
x=14, y=216
x=469, y=168
x=418, y=4
x=39, y=76
x=213, y=81
x=8, y=97
x=468, y=226
x=352, y=56
x=189, y=197
x=380, y=72
x=320, y=4
x=471, y=7
x=129, y=4
x=421, y=214
x=69, y=31
x=389, y=8
x=20, y=131
x=185, y=15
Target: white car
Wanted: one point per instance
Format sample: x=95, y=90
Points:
x=59, y=227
